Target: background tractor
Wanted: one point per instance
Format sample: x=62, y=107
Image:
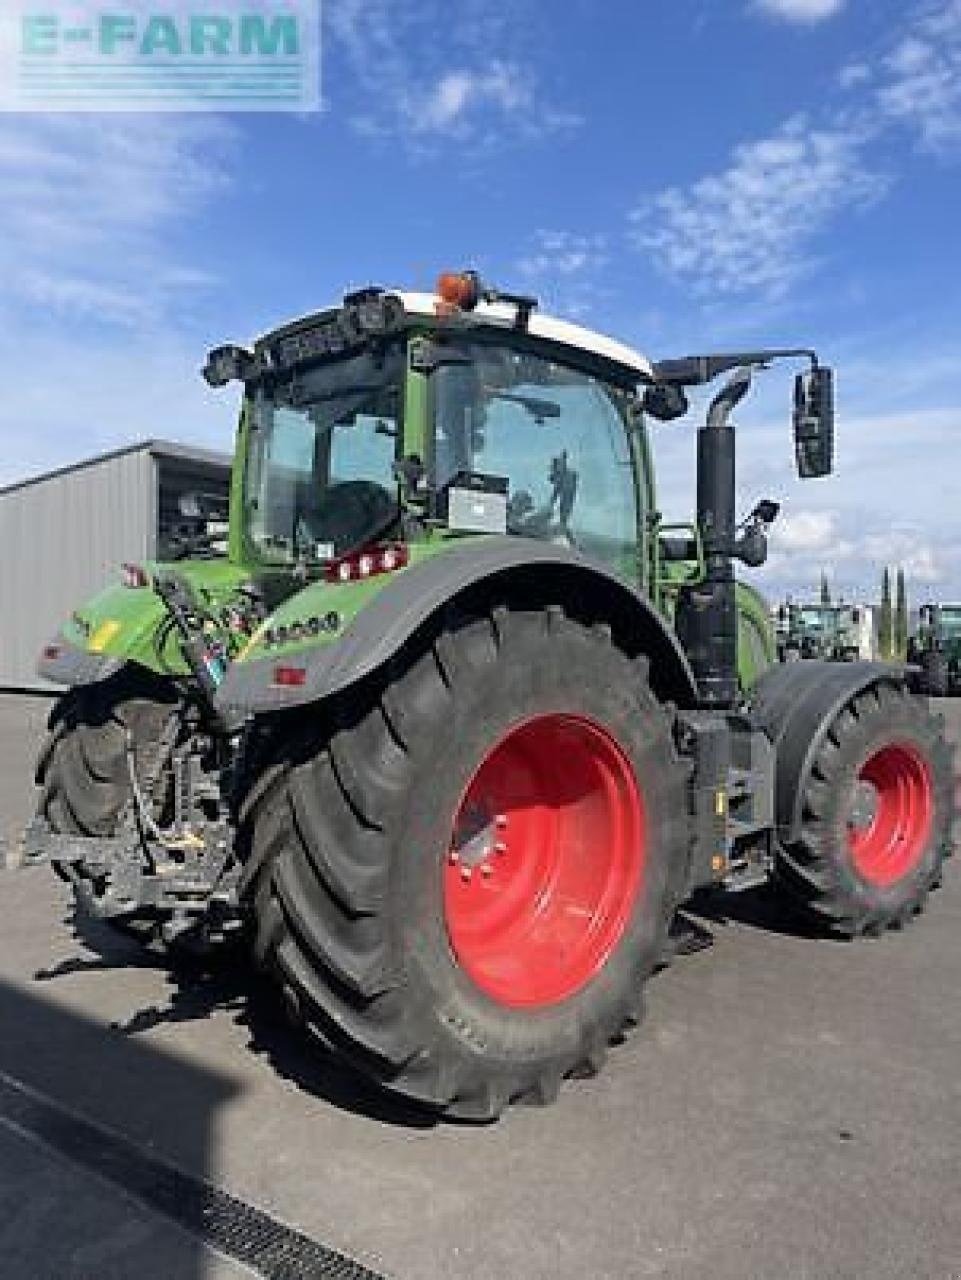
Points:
x=835, y=632
x=936, y=648
x=458, y=722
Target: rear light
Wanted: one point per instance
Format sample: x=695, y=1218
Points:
x=133, y=576
x=369, y=563
x=289, y=677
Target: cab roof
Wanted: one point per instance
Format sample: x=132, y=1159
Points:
x=500, y=316
x=550, y=328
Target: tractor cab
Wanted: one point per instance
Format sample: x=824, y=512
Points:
x=398, y=414
x=397, y=422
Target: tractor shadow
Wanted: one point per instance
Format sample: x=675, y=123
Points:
x=761, y=908
x=226, y=982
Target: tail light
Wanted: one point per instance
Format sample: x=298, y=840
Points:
x=368, y=563
x=287, y=677
x=133, y=576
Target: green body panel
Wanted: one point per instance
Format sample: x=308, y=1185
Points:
x=320, y=598
x=756, y=647
x=124, y=622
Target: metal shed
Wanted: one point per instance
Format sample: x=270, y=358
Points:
x=65, y=534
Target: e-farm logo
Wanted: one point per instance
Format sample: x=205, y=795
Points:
x=160, y=55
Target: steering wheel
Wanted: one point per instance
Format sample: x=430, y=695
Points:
x=353, y=509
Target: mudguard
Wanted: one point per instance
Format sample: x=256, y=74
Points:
x=795, y=704
x=63, y=663
x=487, y=569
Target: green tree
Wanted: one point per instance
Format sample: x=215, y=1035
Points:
x=825, y=589
x=885, y=621
x=901, y=620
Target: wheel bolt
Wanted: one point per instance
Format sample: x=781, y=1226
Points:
x=454, y=857
x=465, y=874
x=486, y=869
x=501, y=820
x=500, y=847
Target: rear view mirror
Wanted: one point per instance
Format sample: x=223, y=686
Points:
x=814, y=423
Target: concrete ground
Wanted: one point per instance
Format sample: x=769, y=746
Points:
x=791, y=1107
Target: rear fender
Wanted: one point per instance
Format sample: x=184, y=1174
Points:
x=795, y=704
x=473, y=574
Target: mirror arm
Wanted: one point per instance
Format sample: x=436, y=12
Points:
x=695, y=371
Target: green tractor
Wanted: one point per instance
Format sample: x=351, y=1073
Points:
x=937, y=649
x=459, y=723
x=829, y=631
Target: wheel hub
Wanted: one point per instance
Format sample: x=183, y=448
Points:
x=545, y=861
x=890, y=814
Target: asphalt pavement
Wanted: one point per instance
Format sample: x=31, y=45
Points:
x=791, y=1107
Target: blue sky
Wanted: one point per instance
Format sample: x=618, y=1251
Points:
x=687, y=176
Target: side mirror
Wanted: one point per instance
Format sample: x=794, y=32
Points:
x=814, y=423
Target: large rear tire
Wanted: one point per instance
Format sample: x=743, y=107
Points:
x=464, y=889
x=877, y=814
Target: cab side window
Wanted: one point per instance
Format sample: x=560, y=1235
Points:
x=559, y=438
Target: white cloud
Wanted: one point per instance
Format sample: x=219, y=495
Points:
x=87, y=209
x=90, y=214
x=477, y=83
x=921, y=84
x=457, y=94
x=565, y=269
x=750, y=226
x=854, y=74
x=801, y=10
x=753, y=224
x=564, y=253
x=807, y=531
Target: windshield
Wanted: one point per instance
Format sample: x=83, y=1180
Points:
x=556, y=435
x=816, y=619
x=319, y=479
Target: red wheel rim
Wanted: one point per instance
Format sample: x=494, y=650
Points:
x=545, y=862
x=891, y=814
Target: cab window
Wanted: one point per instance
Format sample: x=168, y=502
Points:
x=559, y=438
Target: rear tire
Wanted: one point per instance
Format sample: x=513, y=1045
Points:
x=355, y=864
x=877, y=814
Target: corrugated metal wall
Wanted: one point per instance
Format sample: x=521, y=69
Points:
x=63, y=538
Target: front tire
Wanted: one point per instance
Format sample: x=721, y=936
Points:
x=877, y=813
x=82, y=766
x=464, y=889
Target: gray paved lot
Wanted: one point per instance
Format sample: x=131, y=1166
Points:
x=791, y=1108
